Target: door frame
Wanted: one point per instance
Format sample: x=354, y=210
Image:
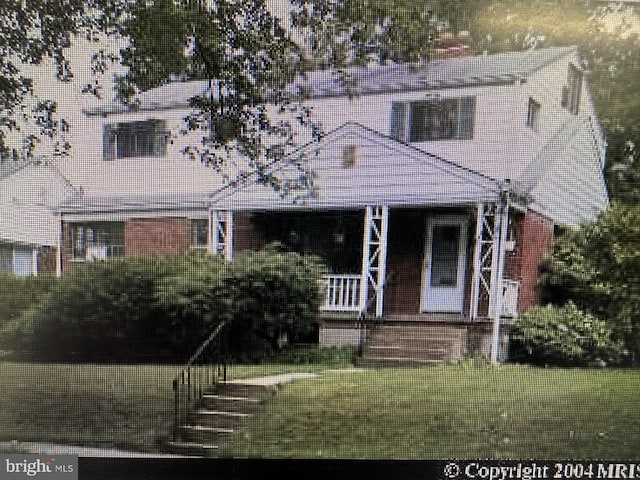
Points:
x=452, y=220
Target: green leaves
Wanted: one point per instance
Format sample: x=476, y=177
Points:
x=161, y=309
x=598, y=268
x=564, y=336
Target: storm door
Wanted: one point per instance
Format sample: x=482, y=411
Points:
x=444, y=264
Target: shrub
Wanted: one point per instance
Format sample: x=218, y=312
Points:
x=269, y=298
x=563, y=336
x=132, y=310
x=17, y=295
x=105, y=311
x=597, y=267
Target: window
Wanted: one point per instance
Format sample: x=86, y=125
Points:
x=97, y=241
x=18, y=260
x=572, y=90
x=533, y=114
x=147, y=138
x=199, y=233
x=429, y=120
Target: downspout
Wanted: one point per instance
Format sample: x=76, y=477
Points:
x=503, y=226
x=59, y=247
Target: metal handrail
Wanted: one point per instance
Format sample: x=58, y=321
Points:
x=191, y=382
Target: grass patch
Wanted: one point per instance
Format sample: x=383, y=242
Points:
x=468, y=410
x=463, y=411
x=124, y=406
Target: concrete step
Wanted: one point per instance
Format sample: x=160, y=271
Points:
x=227, y=403
x=204, y=435
x=211, y=418
x=425, y=331
x=375, y=361
x=399, y=351
x=409, y=342
x=192, y=449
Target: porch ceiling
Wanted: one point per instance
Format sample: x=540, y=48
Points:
x=353, y=167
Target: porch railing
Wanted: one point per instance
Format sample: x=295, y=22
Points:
x=510, y=293
x=342, y=293
x=203, y=370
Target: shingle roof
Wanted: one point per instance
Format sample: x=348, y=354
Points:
x=501, y=68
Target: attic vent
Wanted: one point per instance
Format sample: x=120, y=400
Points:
x=349, y=156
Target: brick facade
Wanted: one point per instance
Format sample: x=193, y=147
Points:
x=47, y=261
x=246, y=234
x=142, y=236
x=534, y=237
x=156, y=236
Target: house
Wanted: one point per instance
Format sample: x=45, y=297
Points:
x=437, y=189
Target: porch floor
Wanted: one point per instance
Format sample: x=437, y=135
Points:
x=335, y=319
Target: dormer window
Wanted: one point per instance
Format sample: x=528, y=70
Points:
x=572, y=90
x=533, y=114
x=433, y=119
x=146, y=138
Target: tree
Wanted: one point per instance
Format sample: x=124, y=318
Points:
x=598, y=268
x=608, y=38
x=249, y=57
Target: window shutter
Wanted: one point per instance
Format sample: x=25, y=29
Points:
x=466, y=112
x=109, y=143
x=398, y=120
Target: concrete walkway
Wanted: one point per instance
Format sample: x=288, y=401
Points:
x=46, y=448
x=274, y=380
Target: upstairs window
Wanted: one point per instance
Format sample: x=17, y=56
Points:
x=533, y=114
x=572, y=90
x=146, y=138
x=429, y=120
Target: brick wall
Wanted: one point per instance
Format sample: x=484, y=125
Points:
x=534, y=238
x=66, y=251
x=246, y=235
x=47, y=261
x=156, y=236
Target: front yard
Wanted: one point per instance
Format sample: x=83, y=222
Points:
x=466, y=411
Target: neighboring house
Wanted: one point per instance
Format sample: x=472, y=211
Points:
x=437, y=187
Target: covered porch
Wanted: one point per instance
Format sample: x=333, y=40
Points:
x=440, y=262
x=405, y=234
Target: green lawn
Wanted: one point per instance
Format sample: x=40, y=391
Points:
x=440, y=412
x=121, y=405
x=452, y=411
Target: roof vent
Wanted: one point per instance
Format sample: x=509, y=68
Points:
x=349, y=156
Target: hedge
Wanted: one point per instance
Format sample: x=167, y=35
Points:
x=161, y=309
x=564, y=336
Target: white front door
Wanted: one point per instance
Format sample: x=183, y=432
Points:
x=444, y=264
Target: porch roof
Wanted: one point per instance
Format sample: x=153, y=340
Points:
x=29, y=198
x=354, y=166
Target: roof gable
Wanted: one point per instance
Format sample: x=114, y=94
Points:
x=353, y=166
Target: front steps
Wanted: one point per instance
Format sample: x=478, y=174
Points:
x=414, y=344
x=219, y=414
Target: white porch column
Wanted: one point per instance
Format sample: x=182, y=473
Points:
x=220, y=234
x=497, y=290
x=59, y=248
x=374, y=255
x=34, y=261
x=477, y=265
